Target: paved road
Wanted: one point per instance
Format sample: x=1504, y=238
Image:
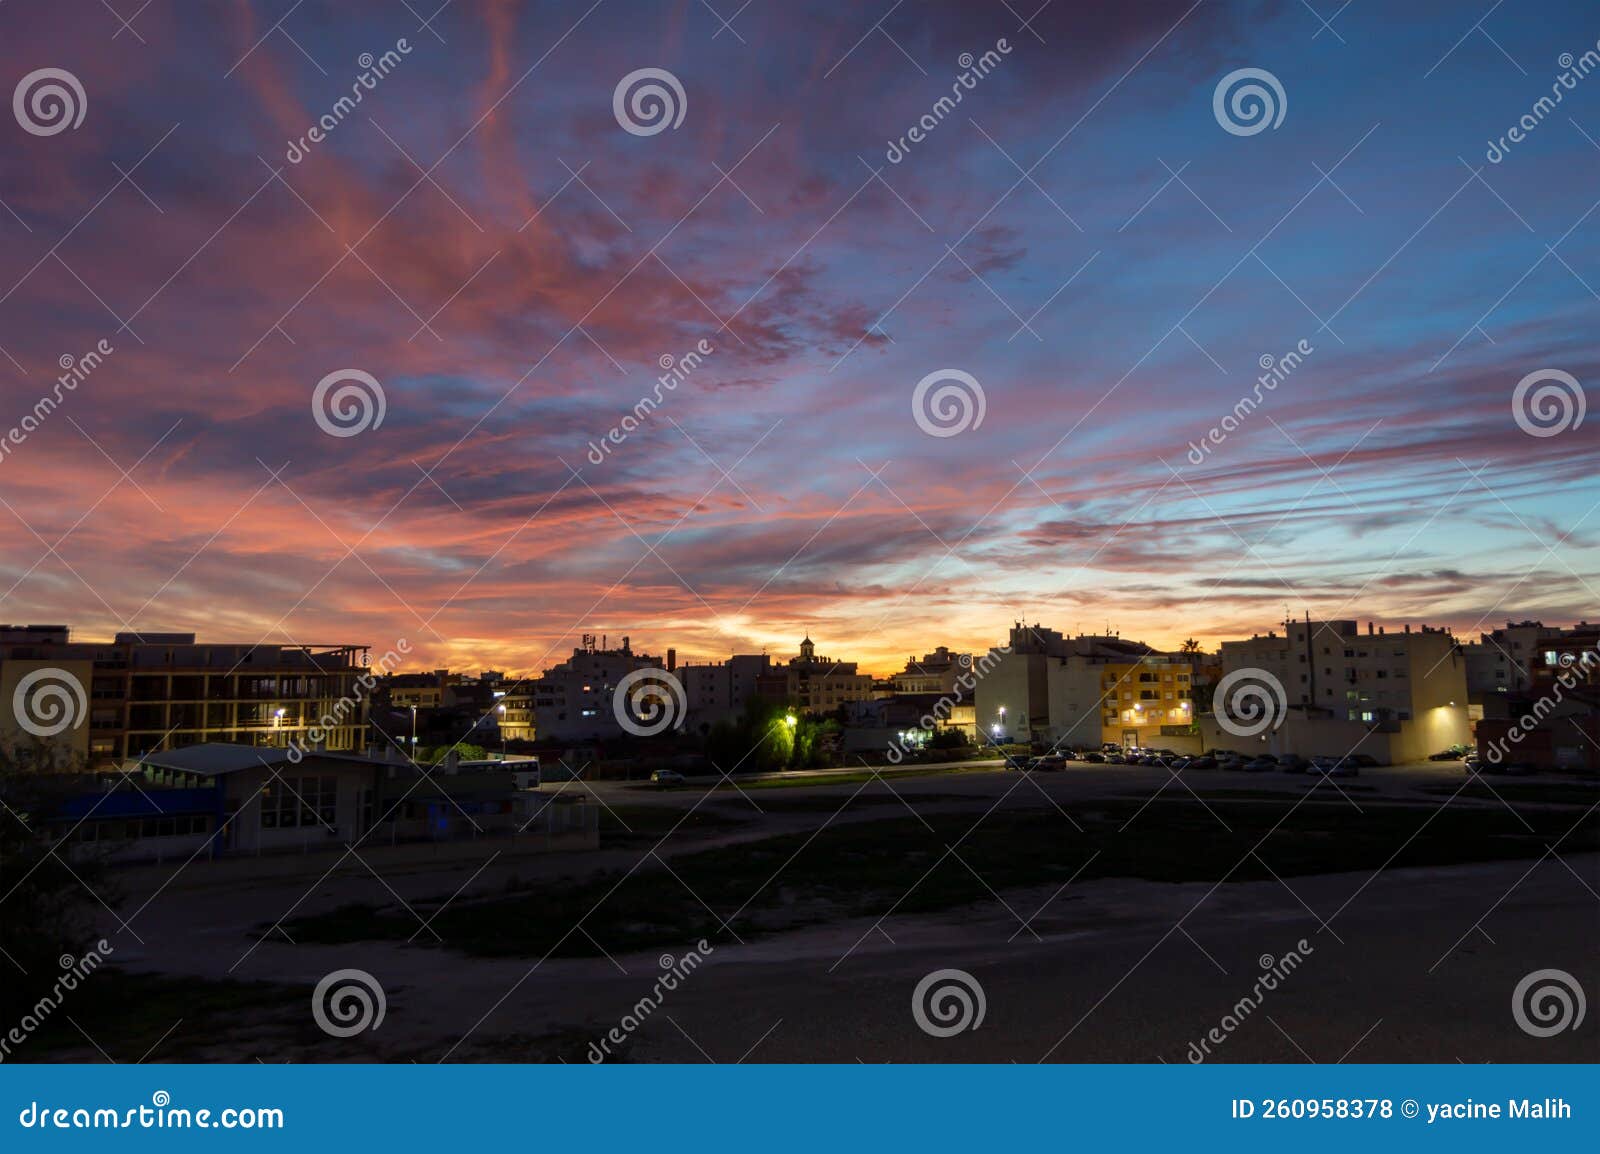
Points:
x=1078, y=780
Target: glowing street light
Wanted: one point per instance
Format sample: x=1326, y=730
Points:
x=790, y=720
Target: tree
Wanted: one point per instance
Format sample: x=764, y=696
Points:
x=46, y=913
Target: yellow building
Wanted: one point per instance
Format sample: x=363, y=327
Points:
x=814, y=684
x=515, y=713
x=1141, y=698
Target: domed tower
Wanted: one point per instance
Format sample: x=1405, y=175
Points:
x=808, y=651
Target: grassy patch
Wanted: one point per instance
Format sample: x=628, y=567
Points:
x=869, y=869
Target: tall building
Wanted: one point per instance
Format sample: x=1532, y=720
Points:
x=718, y=690
x=1407, y=686
x=1046, y=688
x=574, y=701
x=1506, y=660
x=815, y=684
x=143, y=692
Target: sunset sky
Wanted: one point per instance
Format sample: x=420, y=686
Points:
x=1080, y=235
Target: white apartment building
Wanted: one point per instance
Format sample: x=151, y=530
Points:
x=1410, y=685
x=1502, y=660
x=718, y=690
x=1046, y=688
x=574, y=700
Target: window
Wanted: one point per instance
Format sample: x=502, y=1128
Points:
x=295, y=802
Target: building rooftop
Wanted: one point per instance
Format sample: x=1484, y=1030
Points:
x=217, y=758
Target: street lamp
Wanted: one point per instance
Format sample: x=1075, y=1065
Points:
x=502, y=733
x=413, y=733
x=790, y=720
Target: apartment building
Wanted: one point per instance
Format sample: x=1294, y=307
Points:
x=1046, y=688
x=935, y=673
x=574, y=701
x=814, y=684
x=1502, y=660
x=143, y=692
x=516, y=714
x=1408, y=684
x=1144, y=700
x=718, y=690
x=422, y=690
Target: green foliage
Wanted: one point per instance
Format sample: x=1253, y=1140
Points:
x=762, y=740
x=433, y=754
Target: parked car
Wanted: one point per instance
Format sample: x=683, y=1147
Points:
x=1201, y=762
x=1454, y=753
x=1049, y=761
x=1264, y=764
x=1508, y=768
x=1292, y=763
x=1115, y=759
x=1335, y=766
x=1364, y=760
x=664, y=778
x=1094, y=756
